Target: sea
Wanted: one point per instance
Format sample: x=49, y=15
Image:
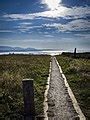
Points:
x=52, y=53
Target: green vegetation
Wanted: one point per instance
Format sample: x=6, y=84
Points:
x=77, y=72
x=85, y=55
x=14, y=68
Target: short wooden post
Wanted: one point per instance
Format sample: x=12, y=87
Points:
x=28, y=94
x=75, y=53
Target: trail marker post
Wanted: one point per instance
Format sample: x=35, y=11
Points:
x=75, y=53
x=28, y=94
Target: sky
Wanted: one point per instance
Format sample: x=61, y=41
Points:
x=45, y=24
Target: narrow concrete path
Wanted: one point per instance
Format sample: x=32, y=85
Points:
x=60, y=106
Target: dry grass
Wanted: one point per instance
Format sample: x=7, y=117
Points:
x=14, y=68
x=77, y=72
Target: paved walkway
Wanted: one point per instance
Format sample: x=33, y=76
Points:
x=60, y=106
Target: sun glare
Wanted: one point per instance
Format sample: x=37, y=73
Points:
x=52, y=4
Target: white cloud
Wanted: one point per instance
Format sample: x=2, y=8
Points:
x=48, y=36
x=6, y=31
x=19, y=16
x=45, y=32
x=75, y=25
x=84, y=35
x=26, y=27
x=52, y=4
x=61, y=11
x=56, y=11
x=25, y=23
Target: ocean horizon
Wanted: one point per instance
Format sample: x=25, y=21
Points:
x=46, y=52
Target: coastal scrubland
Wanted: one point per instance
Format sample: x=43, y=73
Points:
x=77, y=72
x=13, y=69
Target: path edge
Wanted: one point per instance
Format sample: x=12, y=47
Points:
x=46, y=95
x=74, y=101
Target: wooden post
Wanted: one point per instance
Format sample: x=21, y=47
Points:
x=28, y=94
x=75, y=53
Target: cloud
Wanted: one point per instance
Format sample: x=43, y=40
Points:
x=25, y=23
x=19, y=16
x=52, y=5
x=84, y=35
x=75, y=25
x=61, y=11
x=5, y=31
x=56, y=10
x=48, y=36
x=26, y=27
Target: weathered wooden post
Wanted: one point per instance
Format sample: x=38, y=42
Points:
x=75, y=53
x=28, y=94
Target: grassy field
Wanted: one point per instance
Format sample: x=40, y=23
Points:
x=77, y=72
x=14, y=68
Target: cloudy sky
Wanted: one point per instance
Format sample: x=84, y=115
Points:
x=57, y=24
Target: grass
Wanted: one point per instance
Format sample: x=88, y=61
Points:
x=77, y=72
x=14, y=68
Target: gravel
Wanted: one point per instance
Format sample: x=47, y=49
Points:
x=60, y=106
